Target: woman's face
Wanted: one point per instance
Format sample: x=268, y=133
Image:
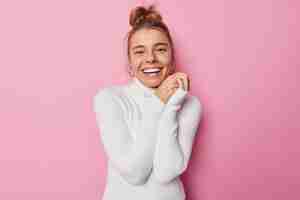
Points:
x=150, y=56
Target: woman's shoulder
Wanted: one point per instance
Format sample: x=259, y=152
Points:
x=116, y=90
x=108, y=91
x=109, y=95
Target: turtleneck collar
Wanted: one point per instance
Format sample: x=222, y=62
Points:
x=142, y=93
x=142, y=87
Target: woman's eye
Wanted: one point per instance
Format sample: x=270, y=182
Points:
x=138, y=52
x=162, y=50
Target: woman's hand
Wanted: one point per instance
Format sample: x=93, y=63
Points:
x=183, y=80
x=171, y=84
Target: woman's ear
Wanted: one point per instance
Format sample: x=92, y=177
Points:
x=131, y=73
x=129, y=69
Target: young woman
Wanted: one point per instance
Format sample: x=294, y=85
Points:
x=148, y=125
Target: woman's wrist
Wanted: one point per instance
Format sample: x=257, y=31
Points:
x=163, y=100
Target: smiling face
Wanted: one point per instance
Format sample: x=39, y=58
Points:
x=150, y=56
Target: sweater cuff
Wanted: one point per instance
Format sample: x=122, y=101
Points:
x=177, y=98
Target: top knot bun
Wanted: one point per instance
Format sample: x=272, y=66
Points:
x=140, y=15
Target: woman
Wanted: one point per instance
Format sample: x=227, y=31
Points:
x=148, y=125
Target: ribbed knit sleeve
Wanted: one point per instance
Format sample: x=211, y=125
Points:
x=132, y=157
x=176, y=131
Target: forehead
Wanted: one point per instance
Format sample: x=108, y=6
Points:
x=148, y=37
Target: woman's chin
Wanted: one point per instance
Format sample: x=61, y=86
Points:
x=153, y=83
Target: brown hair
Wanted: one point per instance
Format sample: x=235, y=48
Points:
x=141, y=17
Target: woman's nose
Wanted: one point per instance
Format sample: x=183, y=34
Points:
x=150, y=57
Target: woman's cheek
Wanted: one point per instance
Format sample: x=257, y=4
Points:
x=137, y=64
x=165, y=59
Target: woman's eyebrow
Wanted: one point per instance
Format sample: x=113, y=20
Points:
x=161, y=43
x=138, y=46
x=157, y=44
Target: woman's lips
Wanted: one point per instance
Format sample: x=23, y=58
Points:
x=152, y=72
x=154, y=69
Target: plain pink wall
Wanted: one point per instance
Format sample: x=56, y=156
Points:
x=243, y=63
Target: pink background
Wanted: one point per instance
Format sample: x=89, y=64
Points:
x=243, y=63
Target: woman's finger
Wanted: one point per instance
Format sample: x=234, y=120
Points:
x=184, y=78
x=180, y=82
x=174, y=85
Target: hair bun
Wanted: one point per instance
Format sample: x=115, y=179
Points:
x=141, y=14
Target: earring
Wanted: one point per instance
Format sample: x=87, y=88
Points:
x=131, y=73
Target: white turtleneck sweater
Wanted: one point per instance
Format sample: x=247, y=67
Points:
x=148, y=143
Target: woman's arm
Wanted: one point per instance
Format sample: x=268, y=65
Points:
x=132, y=158
x=175, y=136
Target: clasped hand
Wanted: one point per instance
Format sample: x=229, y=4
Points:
x=168, y=87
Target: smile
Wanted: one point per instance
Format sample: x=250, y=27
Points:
x=155, y=71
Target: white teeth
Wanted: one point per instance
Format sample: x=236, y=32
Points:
x=151, y=70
